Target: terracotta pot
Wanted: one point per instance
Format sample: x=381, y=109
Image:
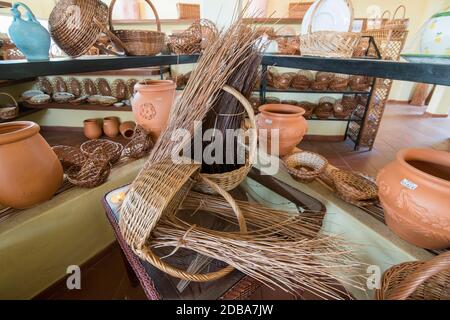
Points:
x=111, y=126
x=288, y=120
x=152, y=103
x=127, y=129
x=414, y=191
x=30, y=172
x=92, y=129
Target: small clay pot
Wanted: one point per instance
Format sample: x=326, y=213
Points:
x=111, y=126
x=92, y=129
x=127, y=129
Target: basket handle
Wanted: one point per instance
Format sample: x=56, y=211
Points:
x=111, y=8
x=352, y=14
x=147, y=254
x=251, y=115
x=389, y=15
x=429, y=269
x=397, y=10
x=11, y=97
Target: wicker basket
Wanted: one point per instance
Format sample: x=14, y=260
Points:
x=90, y=17
x=188, y=11
x=297, y=10
x=305, y=166
x=288, y=45
x=343, y=110
x=282, y=81
x=194, y=39
x=230, y=180
x=325, y=108
x=70, y=157
x=329, y=43
x=359, y=83
x=139, y=42
x=112, y=149
x=302, y=80
x=309, y=108
x=9, y=111
x=339, y=82
x=94, y=172
x=398, y=23
x=354, y=186
x=417, y=280
x=139, y=146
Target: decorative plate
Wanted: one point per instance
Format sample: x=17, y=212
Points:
x=63, y=97
x=40, y=99
x=30, y=94
x=75, y=87
x=79, y=100
x=331, y=15
x=130, y=85
x=59, y=85
x=45, y=86
x=119, y=89
x=107, y=100
x=89, y=87
x=103, y=87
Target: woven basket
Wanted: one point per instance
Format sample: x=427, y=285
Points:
x=398, y=23
x=297, y=10
x=329, y=43
x=342, y=110
x=139, y=146
x=302, y=80
x=354, y=186
x=309, y=108
x=417, y=280
x=339, y=82
x=139, y=42
x=90, y=18
x=325, y=108
x=94, y=172
x=9, y=112
x=193, y=40
x=359, y=83
x=230, y=180
x=188, y=11
x=112, y=149
x=166, y=185
x=282, y=81
x=305, y=166
x=288, y=45
x=70, y=157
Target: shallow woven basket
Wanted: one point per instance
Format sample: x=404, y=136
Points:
x=282, y=81
x=111, y=148
x=70, y=157
x=417, y=280
x=230, y=180
x=139, y=42
x=94, y=172
x=158, y=192
x=311, y=164
x=8, y=112
x=329, y=43
x=354, y=186
x=288, y=45
x=90, y=18
x=339, y=82
x=302, y=80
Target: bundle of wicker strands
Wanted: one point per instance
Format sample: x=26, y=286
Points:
x=149, y=218
x=194, y=39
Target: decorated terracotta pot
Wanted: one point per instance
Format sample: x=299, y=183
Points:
x=285, y=119
x=111, y=126
x=152, y=103
x=30, y=172
x=92, y=129
x=414, y=191
x=127, y=129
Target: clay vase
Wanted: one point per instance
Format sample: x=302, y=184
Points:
x=92, y=129
x=127, y=129
x=289, y=122
x=414, y=191
x=111, y=126
x=152, y=103
x=30, y=172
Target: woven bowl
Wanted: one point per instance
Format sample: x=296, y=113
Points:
x=305, y=166
x=112, y=149
x=354, y=186
x=69, y=157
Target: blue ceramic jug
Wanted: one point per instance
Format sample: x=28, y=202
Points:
x=29, y=36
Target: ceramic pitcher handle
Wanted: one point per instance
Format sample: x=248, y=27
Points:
x=30, y=14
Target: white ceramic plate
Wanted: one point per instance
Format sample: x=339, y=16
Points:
x=332, y=15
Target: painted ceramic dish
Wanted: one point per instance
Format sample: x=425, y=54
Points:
x=79, y=100
x=63, y=97
x=40, y=99
x=89, y=87
x=130, y=87
x=59, y=85
x=75, y=87
x=103, y=87
x=119, y=89
x=27, y=95
x=45, y=86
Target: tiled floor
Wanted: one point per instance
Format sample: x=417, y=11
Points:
x=403, y=127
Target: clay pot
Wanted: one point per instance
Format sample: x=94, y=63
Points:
x=127, y=129
x=92, y=129
x=30, y=172
x=111, y=126
x=288, y=120
x=414, y=191
x=152, y=103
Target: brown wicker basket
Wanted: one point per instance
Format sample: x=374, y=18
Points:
x=194, y=39
x=325, y=108
x=9, y=111
x=94, y=172
x=272, y=100
x=329, y=43
x=309, y=108
x=305, y=166
x=139, y=146
x=417, y=280
x=90, y=18
x=359, y=83
x=354, y=186
x=230, y=180
x=339, y=82
x=139, y=42
x=342, y=110
x=188, y=11
x=112, y=149
x=282, y=81
x=302, y=80
x=70, y=157
x=398, y=23
x=288, y=45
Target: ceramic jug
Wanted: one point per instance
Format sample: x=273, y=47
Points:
x=29, y=36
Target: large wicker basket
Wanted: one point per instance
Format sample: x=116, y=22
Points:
x=139, y=42
x=329, y=43
x=230, y=180
x=417, y=280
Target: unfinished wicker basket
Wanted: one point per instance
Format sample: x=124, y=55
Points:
x=354, y=186
x=111, y=148
x=305, y=166
x=9, y=111
x=417, y=280
x=70, y=157
x=230, y=180
x=329, y=43
x=139, y=42
x=94, y=172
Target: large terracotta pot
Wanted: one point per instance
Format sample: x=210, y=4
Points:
x=152, y=103
x=415, y=193
x=288, y=120
x=30, y=172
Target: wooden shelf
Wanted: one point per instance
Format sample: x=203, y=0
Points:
x=68, y=106
x=149, y=71
x=4, y=4
x=278, y=21
x=7, y=83
x=22, y=113
x=153, y=21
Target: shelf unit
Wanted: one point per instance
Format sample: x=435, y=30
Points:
x=69, y=106
x=22, y=113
